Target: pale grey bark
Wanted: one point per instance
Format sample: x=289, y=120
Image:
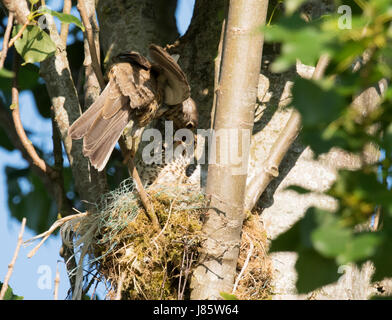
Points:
x=19, y=8
x=226, y=182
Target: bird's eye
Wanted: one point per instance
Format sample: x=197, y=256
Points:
x=190, y=169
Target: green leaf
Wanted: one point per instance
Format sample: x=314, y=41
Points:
x=318, y=102
x=382, y=258
x=9, y=295
x=387, y=140
x=228, y=296
x=300, y=40
x=314, y=271
x=27, y=79
x=63, y=17
x=287, y=241
x=361, y=247
x=4, y=73
x=331, y=240
x=34, y=45
x=298, y=189
x=299, y=235
x=33, y=2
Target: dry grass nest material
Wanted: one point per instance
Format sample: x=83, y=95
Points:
x=118, y=242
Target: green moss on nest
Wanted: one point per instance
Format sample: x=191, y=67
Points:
x=119, y=241
x=126, y=249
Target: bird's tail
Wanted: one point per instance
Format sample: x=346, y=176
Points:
x=100, y=131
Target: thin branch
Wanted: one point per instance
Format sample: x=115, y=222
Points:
x=12, y=264
x=45, y=235
x=90, y=38
x=128, y=158
x=6, y=38
x=270, y=168
x=18, y=35
x=65, y=26
x=56, y=283
x=29, y=147
x=143, y=196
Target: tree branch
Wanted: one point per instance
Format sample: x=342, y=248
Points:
x=150, y=212
x=92, y=88
x=90, y=38
x=270, y=167
x=28, y=146
x=19, y=9
x=18, y=35
x=12, y=263
x=226, y=182
x=6, y=39
x=57, y=74
x=65, y=26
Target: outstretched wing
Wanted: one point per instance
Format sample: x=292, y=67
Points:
x=174, y=82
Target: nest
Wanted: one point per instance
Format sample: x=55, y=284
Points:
x=117, y=242
x=254, y=268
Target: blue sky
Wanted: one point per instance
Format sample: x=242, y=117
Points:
x=27, y=277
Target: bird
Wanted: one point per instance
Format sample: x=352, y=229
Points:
x=140, y=91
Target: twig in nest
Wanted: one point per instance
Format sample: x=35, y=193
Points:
x=45, y=235
x=11, y=265
x=128, y=157
x=120, y=285
x=6, y=38
x=186, y=266
x=163, y=282
x=250, y=252
x=167, y=221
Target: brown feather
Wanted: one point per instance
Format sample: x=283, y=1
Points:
x=135, y=92
x=100, y=152
x=80, y=127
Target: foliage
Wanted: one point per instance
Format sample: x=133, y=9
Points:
x=326, y=240
x=9, y=294
x=34, y=45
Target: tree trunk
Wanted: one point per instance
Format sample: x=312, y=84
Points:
x=227, y=179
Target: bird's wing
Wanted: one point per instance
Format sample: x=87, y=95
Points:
x=176, y=88
x=113, y=102
x=136, y=83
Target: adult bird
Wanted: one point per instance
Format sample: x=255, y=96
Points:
x=140, y=91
